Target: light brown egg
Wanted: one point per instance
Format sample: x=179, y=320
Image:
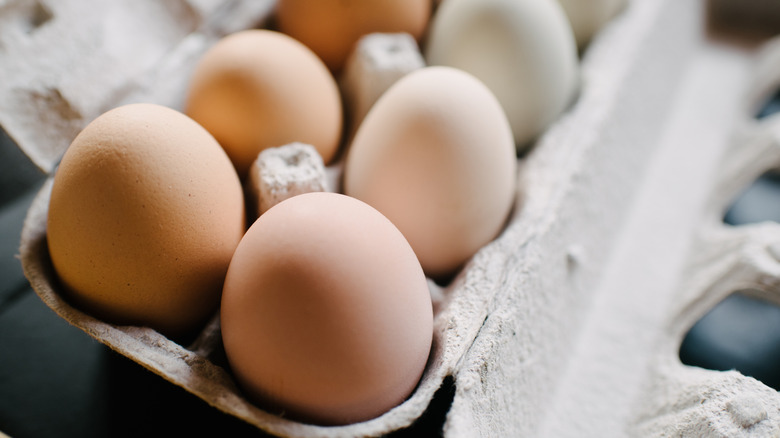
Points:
x=326, y=315
x=257, y=89
x=435, y=155
x=145, y=213
x=332, y=27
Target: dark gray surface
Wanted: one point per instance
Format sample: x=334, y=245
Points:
x=758, y=203
x=741, y=333
x=17, y=172
x=56, y=381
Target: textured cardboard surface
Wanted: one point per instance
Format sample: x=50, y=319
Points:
x=531, y=331
x=66, y=62
x=283, y=172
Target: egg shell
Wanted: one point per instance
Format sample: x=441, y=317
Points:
x=145, y=213
x=332, y=27
x=587, y=18
x=435, y=155
x=326, y=313
x=257, y=89
x=523, y=50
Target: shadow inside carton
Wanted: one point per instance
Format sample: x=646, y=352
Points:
x=431, y=422
x=741, y=333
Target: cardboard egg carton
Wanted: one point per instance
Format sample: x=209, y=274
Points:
x=567, y=324
x=722, y=260
x=66, y=62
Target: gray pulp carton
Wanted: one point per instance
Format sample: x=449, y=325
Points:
x=568, y=323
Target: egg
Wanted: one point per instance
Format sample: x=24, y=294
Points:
x=587, y=18
x=326, y=315
x=523, y=50
x=257, y=89
x=332, y=27
x=144, y=215
x=435, y=155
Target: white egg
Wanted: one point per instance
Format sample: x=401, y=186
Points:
x=523, y=50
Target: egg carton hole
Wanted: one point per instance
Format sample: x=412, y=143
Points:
x=771, y=106
x=740, y=333
x=758, y=203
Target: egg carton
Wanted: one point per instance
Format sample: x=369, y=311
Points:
x=67, y=62
x=676, y=260
x=568, y=323
x=722, y=260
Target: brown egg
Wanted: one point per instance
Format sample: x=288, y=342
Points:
x=145, y=213
x=332, y=27
x=257, y=89
x=326, y=314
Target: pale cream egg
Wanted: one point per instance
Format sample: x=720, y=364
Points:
x=435, y=155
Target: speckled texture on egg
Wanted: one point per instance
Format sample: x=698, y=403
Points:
x=145, y=213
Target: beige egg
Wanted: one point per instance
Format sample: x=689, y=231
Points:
x=257, y=89
x=435, y=155
x=326, y=314
x=145, y=213
x=332, y=27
